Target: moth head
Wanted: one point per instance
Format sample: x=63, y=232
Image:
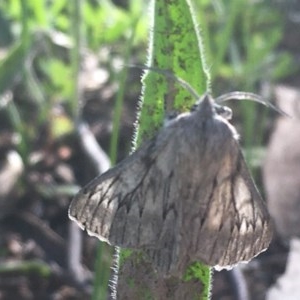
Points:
x=207, y=106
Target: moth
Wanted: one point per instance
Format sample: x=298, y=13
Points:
x=185, y=195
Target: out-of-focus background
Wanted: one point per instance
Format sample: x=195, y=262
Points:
x=250, y=46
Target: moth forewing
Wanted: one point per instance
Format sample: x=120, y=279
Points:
x=183, y=196
x=115, y=203
x=253, y=227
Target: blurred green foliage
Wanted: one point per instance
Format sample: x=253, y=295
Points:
x=242, y=39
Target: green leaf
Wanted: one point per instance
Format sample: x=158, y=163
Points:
x=10, y=66
x=175, y=45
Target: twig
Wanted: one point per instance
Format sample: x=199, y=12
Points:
x=92, y=149
x=239, y=284
x=101, y=163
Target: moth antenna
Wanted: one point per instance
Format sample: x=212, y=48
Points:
x=248, y=96
x=237, y=95
x=170, y=75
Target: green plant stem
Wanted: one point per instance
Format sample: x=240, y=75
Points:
x=120, y=96
x=76, y=32
x=175, y=45
x=226, y=37
x=25, y=36
x=102, y=272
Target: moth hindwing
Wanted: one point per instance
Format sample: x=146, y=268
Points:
x=183, y=196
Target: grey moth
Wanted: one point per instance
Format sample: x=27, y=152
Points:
x=185, y=195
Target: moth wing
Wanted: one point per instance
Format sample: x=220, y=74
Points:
x=253, y=230
x=123, y=206
x=238, y=226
